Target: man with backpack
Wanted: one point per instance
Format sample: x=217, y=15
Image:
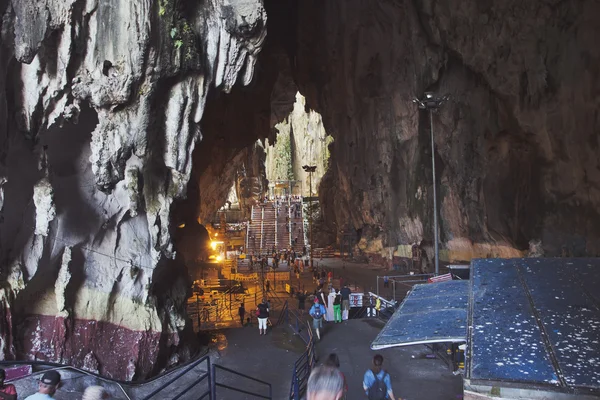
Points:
x=376, y=382
x=317, y=312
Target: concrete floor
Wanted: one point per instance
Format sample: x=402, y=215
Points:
x=413, y=376
x=271, y=358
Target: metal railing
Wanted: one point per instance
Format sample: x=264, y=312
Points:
x=216, y=384
x=209, y=392
x=59, y=367
x=304, y=364
x=283, y=314
x=171, y=389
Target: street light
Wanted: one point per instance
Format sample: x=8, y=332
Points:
x=431, y=102
x=310, y=169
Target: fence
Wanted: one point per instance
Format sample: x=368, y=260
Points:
x=401, y=284
x=223, y=307
x=177, y=385
x=306, y=361
x=177, y=377
x=216, y=384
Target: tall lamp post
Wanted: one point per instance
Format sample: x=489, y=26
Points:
x=310, y=169
x=431, y=103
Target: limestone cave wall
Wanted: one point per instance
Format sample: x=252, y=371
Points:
x=101, y=105
x=301, y=140
x=516, y=146
x=121, y=119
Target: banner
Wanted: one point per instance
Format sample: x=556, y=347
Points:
x=356, y=299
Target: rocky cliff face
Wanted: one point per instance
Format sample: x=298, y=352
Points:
x=99, y=118
x=516, y=147
x=120, y=117
x=301, y=140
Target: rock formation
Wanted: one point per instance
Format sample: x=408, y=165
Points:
x=115, y=91
x=120, y=119
x=301, y=140
x=516, y=147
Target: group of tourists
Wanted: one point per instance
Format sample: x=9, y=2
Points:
x=327, y=382
x=47, y=387
x=318, y=311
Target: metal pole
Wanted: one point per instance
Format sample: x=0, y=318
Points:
x=435, y=221
x=310, y=221
x=377, y=285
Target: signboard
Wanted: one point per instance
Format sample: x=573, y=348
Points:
x=356, y=299
x=288, y=288
x=247, y=277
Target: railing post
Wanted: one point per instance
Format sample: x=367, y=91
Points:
x=198, y=310
x=296, y=386
x=213, y=383
x=377, y=285
x=210, y=374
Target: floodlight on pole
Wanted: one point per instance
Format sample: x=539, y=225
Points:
x=431, y=103
x=310, y=169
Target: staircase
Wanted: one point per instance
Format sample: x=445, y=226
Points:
x=200, y=379
x=270, y=228
x=297, y=227
x=254, y=239
x=269, y=221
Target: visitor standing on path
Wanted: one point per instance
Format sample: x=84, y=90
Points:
x=47, y=386
x=337, y=307
x=345, y=292
x=95, y=393
x=8, y=391
x=376, y=382
x=262, y=312
x=241, y=313
x=301, y=301
x=317, y=312
x=325, y=383
x=333, y=361
x=386, y=282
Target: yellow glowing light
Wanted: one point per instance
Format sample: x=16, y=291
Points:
x=216, y=234
x=219, y=258
x=213, y=245
x=181, y=226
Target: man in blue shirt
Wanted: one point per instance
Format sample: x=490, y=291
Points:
x=47, y=387
x=317, y=312
x=376, y=382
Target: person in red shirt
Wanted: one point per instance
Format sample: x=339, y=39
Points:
x=7, y=392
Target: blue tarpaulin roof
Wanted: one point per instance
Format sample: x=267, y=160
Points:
x=535, y=321
x=431, y=313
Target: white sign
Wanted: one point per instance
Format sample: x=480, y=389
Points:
x=356, y=299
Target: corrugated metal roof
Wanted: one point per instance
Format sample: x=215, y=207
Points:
x=431, y=313
x=535, y=321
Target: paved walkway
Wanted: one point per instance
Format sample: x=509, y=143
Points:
x=414, y=377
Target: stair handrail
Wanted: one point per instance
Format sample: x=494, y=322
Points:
x=216, y=384
x=283, y=315
x=276, y=214
x=57, y=367
x=304, y=363
x=207, y=374
x=262, y=232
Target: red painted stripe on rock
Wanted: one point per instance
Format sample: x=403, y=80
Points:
x=102, y=347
